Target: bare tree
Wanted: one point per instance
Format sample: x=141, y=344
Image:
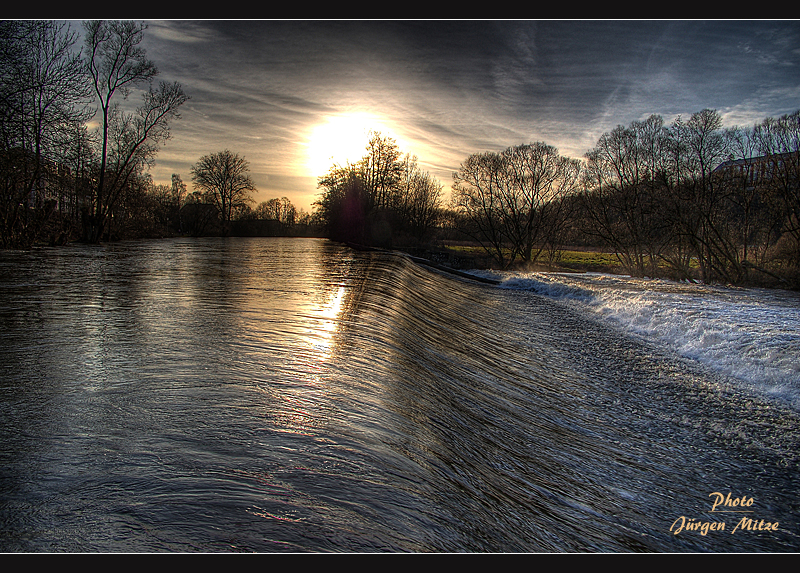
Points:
x=701, y=146
x=535, y=177
x=224, y=176
x=779, y=141
x=512, y=199
x=419, y=198
x=752, y=220
x=178, y=192
x=624, y=176
x=476, y=196
x=280, y=210
x=129, y=141
x=44, y=94
x=380, y=171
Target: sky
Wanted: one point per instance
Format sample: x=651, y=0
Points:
x=294, y=97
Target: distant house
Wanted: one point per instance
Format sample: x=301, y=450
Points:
x=756, y=169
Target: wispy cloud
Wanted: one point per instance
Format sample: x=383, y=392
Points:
x=449, y=89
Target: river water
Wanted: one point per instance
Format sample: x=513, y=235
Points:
x=293, y=395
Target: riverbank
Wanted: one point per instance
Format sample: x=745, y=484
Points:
x=573, y=259
x=462, y=256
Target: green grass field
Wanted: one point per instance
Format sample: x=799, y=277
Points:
x=589, y=260
x=567, y=260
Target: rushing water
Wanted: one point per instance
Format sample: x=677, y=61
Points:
x=751, y=335
x=294, y=395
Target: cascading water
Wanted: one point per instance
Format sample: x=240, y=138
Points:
x=294, y=395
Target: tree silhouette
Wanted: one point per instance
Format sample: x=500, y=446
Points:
x=512, y=199
x=43, y=97
x=128, y=142
x=378, y=198
x=224, y=176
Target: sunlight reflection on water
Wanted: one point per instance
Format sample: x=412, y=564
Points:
x=294, y=395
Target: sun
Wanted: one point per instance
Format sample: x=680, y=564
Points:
x=339, y=140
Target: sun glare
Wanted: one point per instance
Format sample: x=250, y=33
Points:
x=340, y=139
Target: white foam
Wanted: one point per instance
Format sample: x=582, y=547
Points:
x=752, y=335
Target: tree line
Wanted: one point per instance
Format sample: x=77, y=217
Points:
x=62, y=181
x=691, y=200
x=695, y=200
x=380, y=200
x=222, y=205
x=56, y=173
x=688, y=200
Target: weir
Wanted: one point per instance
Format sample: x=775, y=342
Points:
x=297, y=395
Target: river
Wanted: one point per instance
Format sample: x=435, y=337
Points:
x=294, y=395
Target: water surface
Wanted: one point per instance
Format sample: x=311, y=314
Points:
x=294, y=395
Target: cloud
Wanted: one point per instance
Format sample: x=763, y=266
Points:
x=449, y=89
